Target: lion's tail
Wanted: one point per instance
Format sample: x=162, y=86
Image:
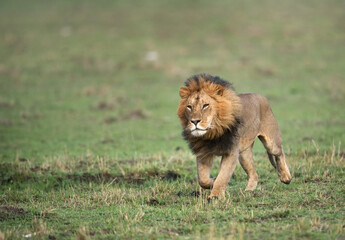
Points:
x=270, y=157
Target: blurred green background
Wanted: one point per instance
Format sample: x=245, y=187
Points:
x=90, y=143
x=103, y=76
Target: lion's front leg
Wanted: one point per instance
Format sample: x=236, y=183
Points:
x=227, y=167
x=204, y=166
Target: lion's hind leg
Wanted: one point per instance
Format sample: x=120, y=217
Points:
x=247, y=163
x=282, y=168
x=276, y=150
x=271, y=138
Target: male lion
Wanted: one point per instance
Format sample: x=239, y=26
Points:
x=217, y=122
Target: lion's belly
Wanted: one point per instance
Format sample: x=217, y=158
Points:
x=248, y=132
x=245, y=143
x=250, y=127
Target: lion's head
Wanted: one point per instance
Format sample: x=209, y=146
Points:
x=208, y=107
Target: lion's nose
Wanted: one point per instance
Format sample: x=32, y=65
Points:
x=195, y=122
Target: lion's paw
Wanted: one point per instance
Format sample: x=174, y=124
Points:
x=285, y=177
x=212, y=198
x=251, y=186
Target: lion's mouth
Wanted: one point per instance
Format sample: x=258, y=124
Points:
x=201, y=129
x=197, y=132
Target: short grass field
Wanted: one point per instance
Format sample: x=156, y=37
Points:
x=90, y=143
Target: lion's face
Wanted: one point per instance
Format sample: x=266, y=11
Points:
x=207, y=109
x=199, y=112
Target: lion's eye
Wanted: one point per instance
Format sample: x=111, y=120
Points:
x=205, y=106
x=189, y=107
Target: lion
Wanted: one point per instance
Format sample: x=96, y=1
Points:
x=218, y=122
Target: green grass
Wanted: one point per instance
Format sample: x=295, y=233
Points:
x=90, y=143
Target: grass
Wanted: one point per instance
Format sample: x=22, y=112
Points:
x=90, y=144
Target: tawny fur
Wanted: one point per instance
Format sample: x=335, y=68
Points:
x=218, y=122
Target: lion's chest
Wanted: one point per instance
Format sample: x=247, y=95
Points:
x=219, y=146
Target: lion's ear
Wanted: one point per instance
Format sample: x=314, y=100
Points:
x=184, y=92
x=220, y=90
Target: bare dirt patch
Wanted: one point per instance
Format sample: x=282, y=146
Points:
x=153, y=202
x=110, y=120
x=6, y=103
x=104, y=105
x=11, y=212
x=190, y=194
x=171, y=176
x=5, y=122
x=135, y=114
x=134, y=178
x=276, y=215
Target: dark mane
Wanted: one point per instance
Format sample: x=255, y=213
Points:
x=219, y=146
x=209, y=78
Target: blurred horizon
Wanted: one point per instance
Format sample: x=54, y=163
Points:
x=81, y=76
